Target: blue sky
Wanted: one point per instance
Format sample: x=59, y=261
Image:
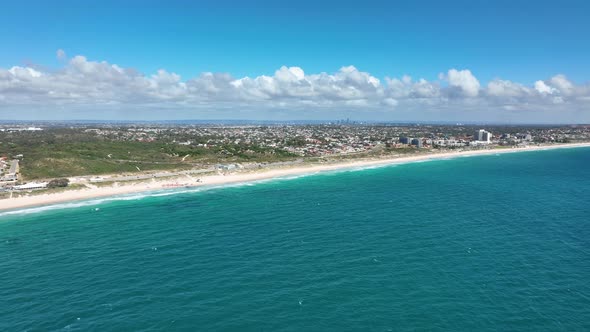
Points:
x=517, y=40
x=520, y=41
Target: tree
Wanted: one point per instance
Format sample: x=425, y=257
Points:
x=58, y=183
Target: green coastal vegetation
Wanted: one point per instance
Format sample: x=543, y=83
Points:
x=71, y=152
x=62, y=151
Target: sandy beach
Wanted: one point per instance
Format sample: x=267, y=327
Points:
x=245, y=176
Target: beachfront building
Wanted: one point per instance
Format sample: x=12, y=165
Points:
x=482, y=136
x=31, y=186
x=405, y=140
x=417, y=142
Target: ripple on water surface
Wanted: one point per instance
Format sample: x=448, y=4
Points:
x=483, y=243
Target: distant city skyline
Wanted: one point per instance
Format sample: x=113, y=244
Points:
x=464, y=61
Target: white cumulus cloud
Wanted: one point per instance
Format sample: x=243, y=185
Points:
x=464, y=81
x=83, y=82
x=543, y=88
x=561, y=83
x=503, y=88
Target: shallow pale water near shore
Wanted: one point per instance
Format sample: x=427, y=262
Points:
x=481, y=243
x=70, y=197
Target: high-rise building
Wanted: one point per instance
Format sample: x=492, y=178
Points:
x=417, y=142
x=482, y=136
x=405, y=140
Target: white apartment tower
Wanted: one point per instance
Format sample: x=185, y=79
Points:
x=482, y=136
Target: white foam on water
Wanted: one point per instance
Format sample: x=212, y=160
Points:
x=77, y=204
x=169, y=192
x=185, y=190
x=126, y=197
x=41, y=209
x=293, y=177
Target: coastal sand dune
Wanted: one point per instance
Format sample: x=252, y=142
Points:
x=89, y=193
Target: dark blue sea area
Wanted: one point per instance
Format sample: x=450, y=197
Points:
x=486, y=243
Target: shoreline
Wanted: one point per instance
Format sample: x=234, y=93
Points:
x=240, y=177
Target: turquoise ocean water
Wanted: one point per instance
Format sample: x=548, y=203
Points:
x=487, y=243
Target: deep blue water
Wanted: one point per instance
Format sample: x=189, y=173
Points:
x=469, y=244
